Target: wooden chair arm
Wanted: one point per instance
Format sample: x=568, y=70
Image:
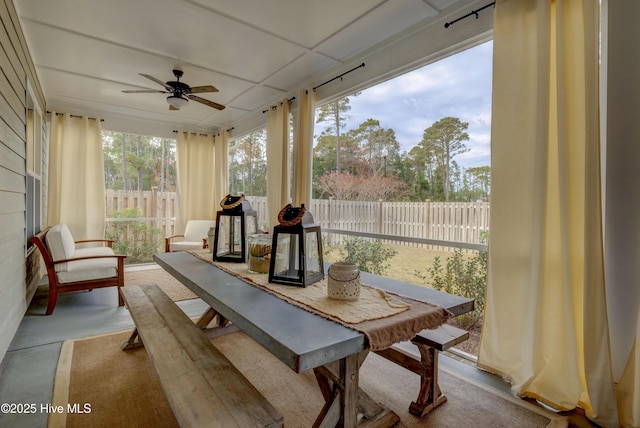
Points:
x=118, y=256
x=167, y=242
x=109, y=242
x=174, y=236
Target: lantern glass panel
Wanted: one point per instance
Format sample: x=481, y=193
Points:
x=287, y=263
x=251, y=223
x=313, y=263
x=230, y=236
x=296, y=256
x=232, y=232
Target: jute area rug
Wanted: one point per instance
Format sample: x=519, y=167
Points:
x=171, y=286
x=122, y=390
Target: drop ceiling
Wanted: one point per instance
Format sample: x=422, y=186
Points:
x=253, y=51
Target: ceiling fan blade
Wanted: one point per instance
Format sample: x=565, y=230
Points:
x=158, y=81
x=143, y=91
x=173, y=108
x=206, y=102
x=201, y=89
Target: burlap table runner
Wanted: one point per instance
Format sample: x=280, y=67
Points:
x=385, y=318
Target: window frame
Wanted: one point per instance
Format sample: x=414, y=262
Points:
x=35, y=132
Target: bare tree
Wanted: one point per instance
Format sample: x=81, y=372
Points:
x=349, y=187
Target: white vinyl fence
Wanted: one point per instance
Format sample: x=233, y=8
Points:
x=444, y=221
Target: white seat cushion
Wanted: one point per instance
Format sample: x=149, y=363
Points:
x=62, y=246
x=194, y=233
x=83, y=270
x=185, y=246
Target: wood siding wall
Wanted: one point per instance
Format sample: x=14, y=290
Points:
x=16, y=286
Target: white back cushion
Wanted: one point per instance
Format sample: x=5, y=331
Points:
x=197, y=229
x=61, y=244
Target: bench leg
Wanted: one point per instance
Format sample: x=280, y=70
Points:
x=134, y=341
x=208, y=316
x=120, y=299
x=430, y=395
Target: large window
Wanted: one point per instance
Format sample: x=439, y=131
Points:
x=140, y=181
x=248, y=164
x=404, y=168
x=138, y=162
x=422, y=135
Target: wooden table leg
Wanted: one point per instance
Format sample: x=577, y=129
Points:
x=430, y=395
x=345, y=401
x=349, y=371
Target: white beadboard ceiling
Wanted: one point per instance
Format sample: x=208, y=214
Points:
x=254, y=51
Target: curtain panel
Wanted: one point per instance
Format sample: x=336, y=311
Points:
x=545, y=326
x=196, y=178
x=303, y=148
x=221, y=167
x=277, y=160
x=76, y=194
x=627, y=388
x=621, y=67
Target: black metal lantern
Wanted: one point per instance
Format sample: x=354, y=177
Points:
x=296, y=249
x=234, y=223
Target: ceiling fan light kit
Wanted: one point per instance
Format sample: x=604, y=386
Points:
x=177, y=101
x=180, y=92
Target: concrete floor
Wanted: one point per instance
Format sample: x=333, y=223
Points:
x=28, y=369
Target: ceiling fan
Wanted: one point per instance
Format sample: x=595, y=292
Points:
x=180, y=92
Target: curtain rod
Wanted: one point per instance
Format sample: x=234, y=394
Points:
x=195, y=133
x=274, y=107
x=76, y=116
x=338, y=77
x=473, y=12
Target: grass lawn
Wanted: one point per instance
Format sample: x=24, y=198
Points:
x=404, y=265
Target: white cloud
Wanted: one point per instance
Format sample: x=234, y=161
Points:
x=458, y=86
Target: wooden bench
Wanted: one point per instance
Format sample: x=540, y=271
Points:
x=429, y=343
x=202, y=386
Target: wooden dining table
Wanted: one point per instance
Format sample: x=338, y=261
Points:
x=303, y=340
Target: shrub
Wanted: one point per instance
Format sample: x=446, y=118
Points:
x=369, y=255
x=133, y=237
x=463, y=276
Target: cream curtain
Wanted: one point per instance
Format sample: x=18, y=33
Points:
x=76, y=193
x=221, y=167
x=545, y=326
x=277, y=160
x=303, y=148
x=627, y=388
x=196, y=181
x=621, y=67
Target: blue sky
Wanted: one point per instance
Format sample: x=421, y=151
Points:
x=457, y=86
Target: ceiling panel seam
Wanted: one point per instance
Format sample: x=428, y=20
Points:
x=139, y=50
x=248, y=24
